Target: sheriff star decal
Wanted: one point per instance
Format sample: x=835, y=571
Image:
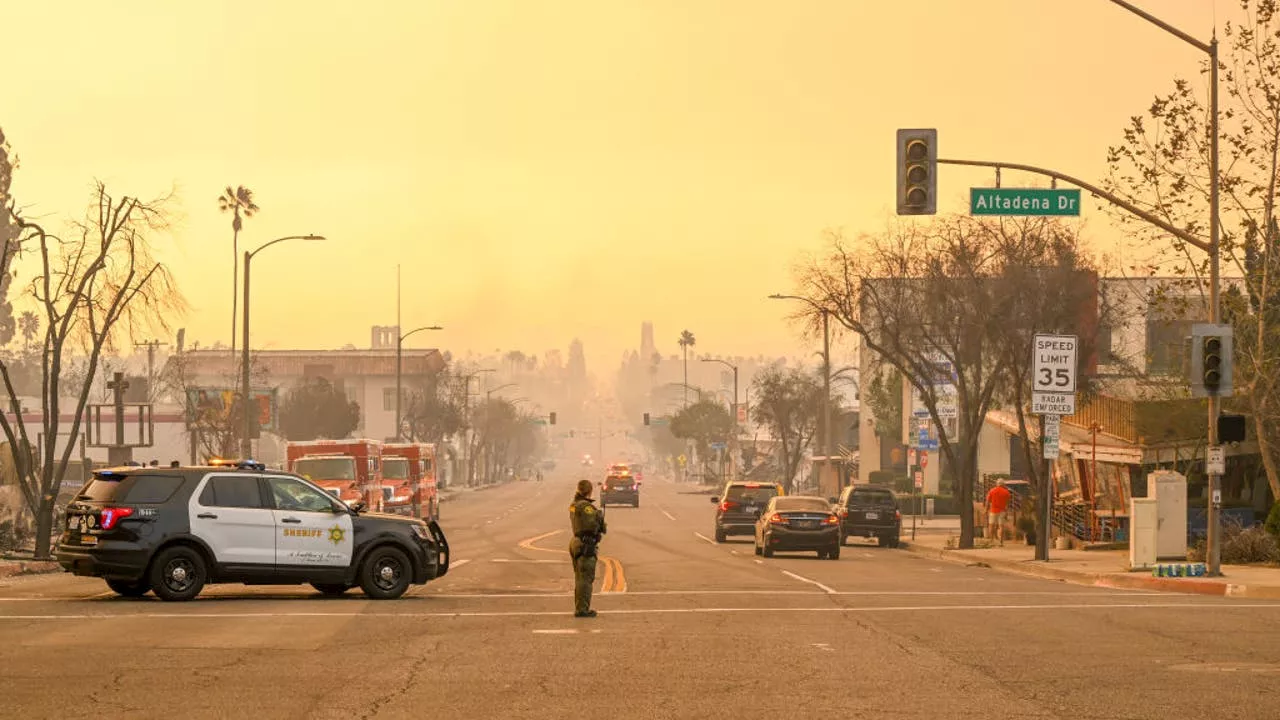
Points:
x=336, y=534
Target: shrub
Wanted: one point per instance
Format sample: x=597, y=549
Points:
x=1241, y=545
x=1273, y=522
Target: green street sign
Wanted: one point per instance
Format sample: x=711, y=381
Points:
x=1023, y=201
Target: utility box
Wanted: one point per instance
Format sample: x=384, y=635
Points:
x=1143, y=527
x=1169, y=490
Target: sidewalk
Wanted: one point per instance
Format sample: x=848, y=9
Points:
x=1100, y=568
x=11, y=566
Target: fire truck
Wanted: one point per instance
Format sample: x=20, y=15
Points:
x=410, y=470
x=350, y=469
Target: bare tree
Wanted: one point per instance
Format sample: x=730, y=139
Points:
x=1162, y=165
x=99, y=285
x=924, y=297
x=788, y=402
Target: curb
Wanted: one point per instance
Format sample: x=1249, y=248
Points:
x=28, y=567
x=1115, y=581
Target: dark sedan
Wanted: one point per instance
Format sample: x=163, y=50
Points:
x=798, y=523
x=871, y=512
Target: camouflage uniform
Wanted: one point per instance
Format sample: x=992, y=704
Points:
x=588, y=524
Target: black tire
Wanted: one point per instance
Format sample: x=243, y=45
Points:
x=178, y=573
x=331, y=589
x=894, y=541
x=385, y=573
x=822, y=554
x=720, y=536
x=767, y=551
x=134, y=589
x=758, y=550
x=834, y=553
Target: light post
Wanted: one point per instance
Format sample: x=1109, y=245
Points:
x=734, y=456
x=1211, y=49
x=399, y=352
x=826, y=373
x=246, y=443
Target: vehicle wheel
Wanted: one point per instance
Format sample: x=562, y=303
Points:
x=758, y=551
x=834, y=553
x=720, y=536
x=822, y=554
x=386, y=573
x=767, y=551
x=332, y=589
x=129, y=589
x=894, y=541
x=178, y=573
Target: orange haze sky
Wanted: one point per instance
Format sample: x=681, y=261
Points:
x=545, y=169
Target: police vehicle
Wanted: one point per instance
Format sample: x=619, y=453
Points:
x=173, y=530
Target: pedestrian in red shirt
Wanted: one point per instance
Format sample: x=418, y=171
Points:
x=997, y=504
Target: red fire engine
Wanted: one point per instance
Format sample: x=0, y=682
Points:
x=351, y=469
x=410, y=469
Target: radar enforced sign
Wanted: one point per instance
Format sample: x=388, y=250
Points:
x=1053, y=378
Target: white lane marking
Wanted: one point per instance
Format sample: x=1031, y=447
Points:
x=869, y=556
x=1099, y=593
x=669, y=515
x=659, y=611
x=815, y=583
x=759, y=562
x=700, y=536
x=824, y=646
x=733, y=552
x=522, y=561
x=560, y=631
x=459, y=563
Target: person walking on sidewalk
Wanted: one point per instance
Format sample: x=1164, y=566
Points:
x=997, y=504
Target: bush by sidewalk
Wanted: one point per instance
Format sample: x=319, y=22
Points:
x=1242, y=545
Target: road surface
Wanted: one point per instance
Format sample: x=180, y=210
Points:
x=687, y=629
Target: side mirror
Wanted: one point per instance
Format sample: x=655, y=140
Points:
x=358, y=506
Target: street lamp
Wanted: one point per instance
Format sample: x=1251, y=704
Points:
x=246, y=443
x=826, y=371
x=734, y=456
x=399, y=351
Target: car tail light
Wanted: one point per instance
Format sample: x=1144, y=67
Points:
x=727, y=505
x=897, y=514
x=113, y=515
x=843, y=512
x=777, y=519
x=831, y=520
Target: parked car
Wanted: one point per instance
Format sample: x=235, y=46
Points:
x=739, y=505
x=869, y=511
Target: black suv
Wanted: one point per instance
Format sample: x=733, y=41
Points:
x=620, y=489
x=739, y=506
x=869, y=511
x=172, y=530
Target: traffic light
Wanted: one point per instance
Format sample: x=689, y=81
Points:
x=1211, y=368
x=917, y=172
x=646, y=418
x=552, y=418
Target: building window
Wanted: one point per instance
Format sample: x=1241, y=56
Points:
x=388, y=399
x=1166, y=345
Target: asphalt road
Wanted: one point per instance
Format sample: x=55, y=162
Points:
x=687, y=629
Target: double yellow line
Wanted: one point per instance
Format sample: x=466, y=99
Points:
x=615, y=578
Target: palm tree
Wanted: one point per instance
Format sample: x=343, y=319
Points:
x=28, y=325
x=240, y=203
x=686, y=341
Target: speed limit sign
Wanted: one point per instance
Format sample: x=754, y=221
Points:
x=1054, y=366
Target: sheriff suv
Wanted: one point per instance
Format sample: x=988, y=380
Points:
x=173, y=530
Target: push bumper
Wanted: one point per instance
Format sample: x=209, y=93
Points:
x=112, y=563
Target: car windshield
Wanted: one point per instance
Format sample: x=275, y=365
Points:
x=334, y=468
x=395, y=468
x=872, y=498
x=801, y=504
x=751, y=495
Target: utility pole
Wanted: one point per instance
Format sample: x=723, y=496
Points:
x=151, y=346
x=826, y=394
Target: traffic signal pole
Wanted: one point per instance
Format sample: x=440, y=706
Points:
x=1211, y=248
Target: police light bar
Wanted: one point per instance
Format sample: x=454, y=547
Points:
x=238, y=464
